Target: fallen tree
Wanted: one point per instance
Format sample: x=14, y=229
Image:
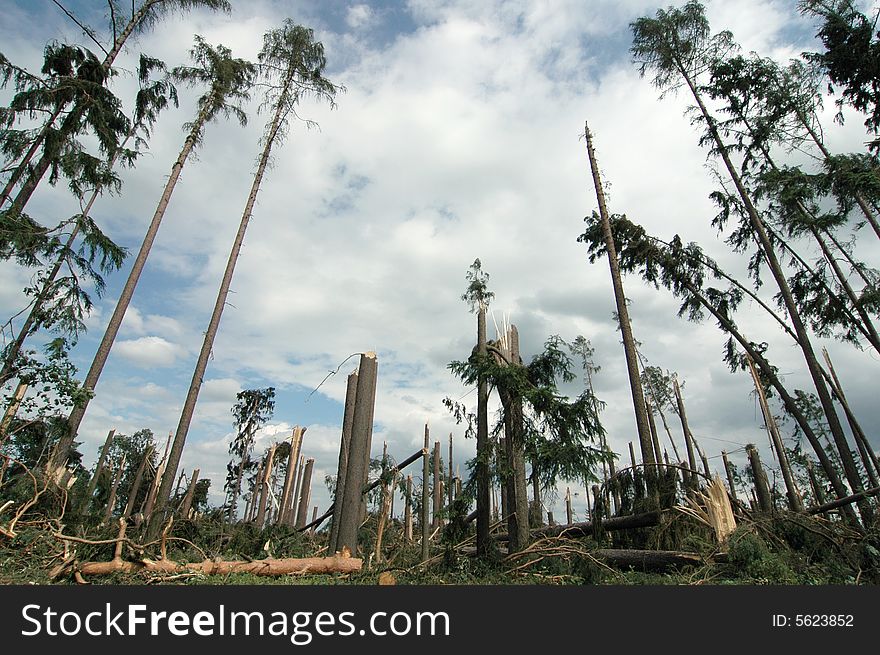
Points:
x=341, y=562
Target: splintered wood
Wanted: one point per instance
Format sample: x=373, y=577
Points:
x=713, y=509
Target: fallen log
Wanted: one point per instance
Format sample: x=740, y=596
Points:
x=654, y=560
x=265, y=567
x=840, y=502
x=586, y=528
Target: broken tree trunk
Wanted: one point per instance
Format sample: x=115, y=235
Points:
x=260, y=519
x=305, y=494
x=292, y=457
x=111, y=501
x=795, y=502
x=762, y=487
x=407, y=512
x=423, y=520
x=647, y=560
x=730, y=482
x=438, y=498
x=136, y=483
x=186, y=505
x=568, y=516
x=342, y=468
x=450, y=489
x=356, y=476
x=99, y=468
x=688, y=437
x=12, y=410
x=293, y=512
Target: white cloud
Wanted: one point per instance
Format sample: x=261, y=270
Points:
x=457, y=140
x=148, y=352
x=359, y=16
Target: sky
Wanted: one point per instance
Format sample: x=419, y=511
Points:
x=458, y=136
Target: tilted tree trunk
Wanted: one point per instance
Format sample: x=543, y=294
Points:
x=834, y=426
x=62, y=449
x=795, y=502
x=629, y=346
x=265, y=488
x=195, y=386
x=730, y=481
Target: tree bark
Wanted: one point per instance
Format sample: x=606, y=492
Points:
x=730, y=481
x=795, y=503
x=407, y=512
x=260, y=518
x=266, y=567
x=111, y=501
x=438, y=498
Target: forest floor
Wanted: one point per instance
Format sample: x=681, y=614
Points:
x=773, y=550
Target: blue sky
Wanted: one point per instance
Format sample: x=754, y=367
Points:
x=457, y=138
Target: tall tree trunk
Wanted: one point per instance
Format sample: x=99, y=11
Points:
x=685, y=428
x=99, y=468
x=62, y=450
x=629, y=345
x=438, y=494
x=407, y=511
x=265, y=488
x=773, y=264
x=483, y=446
x=214, y=324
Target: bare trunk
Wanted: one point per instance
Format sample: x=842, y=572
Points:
x=629, y=346
x=730, y=481
x=293, y=455
x=483, y=447
x=111, y=501
x=136, y=483
x=407, y=511
x=220, y=303
x=64, y=445
x=438, y=498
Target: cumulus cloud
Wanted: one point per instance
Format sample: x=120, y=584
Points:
x=148, y=352
x=458, y=138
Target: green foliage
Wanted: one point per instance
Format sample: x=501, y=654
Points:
x=477, y=294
